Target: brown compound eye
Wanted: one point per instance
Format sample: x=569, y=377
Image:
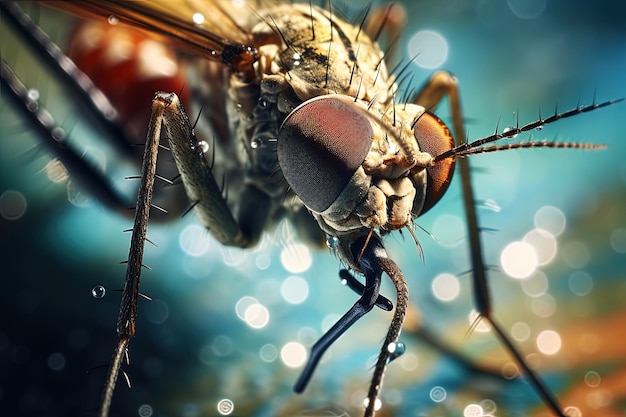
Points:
x=434, y=137
x=321, y=144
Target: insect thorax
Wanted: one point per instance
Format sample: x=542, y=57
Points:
x=304, y=53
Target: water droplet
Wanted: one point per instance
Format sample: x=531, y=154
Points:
x=539, y=128
x=396, y=349
x=256, y=143
x=113, y=20
x=203, y=146
x=377, y=403
x=32, y=94
x=332, y=242
x=198, y=18
x=508, y=129
x=98, y=291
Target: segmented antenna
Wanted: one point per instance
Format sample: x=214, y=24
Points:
x=477, y=147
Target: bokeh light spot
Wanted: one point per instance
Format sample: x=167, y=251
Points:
x=535, y=285
x=242, y=305
x=473, y=410
x=56, y=361
x=592, y=379
x=519, y=260
x=268, y=353
x=449, y=230
x=296, y=258
x=293, y=354
x=576, y=254
x=572, y=411
x=580, y=283
x=520, y=331
x=145, y=410
x=549, y=342
x=294, y=289
x=194, y=240
x=618, y=240
x=429, y=48
x=550, y=218
x=544, y=243
x=527, y=9
x=12, y=205
x=438, y=394
x=225, y=407
x=446, y=287
x=257, y=316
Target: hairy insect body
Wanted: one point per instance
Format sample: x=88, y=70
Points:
x=374, y=175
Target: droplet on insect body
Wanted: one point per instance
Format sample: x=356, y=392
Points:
x=508, y=129
x=198, y=18
x=377, y=404
x=256, y=143
x=332, y=242
x=396, y=349
x=33, y=94
x=98, y=291
x=203, y=146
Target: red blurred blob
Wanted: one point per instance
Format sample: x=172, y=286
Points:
x=129, y=66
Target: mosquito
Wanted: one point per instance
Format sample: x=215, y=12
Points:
x=308, y=116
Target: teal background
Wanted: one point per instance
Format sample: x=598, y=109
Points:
x=191, y=349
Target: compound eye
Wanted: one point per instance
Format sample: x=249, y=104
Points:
x=434, y=137
x=321, y=144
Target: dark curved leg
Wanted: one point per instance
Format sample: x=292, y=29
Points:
x=372, y=272
x=355, y=285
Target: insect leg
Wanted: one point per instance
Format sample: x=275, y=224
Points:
x=372, y=272
x=375, y=260
x=127, y=318
x=167, y=113
x=200, y=184
x=442, y=84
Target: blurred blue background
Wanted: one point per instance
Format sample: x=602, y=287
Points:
x=197, y=346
